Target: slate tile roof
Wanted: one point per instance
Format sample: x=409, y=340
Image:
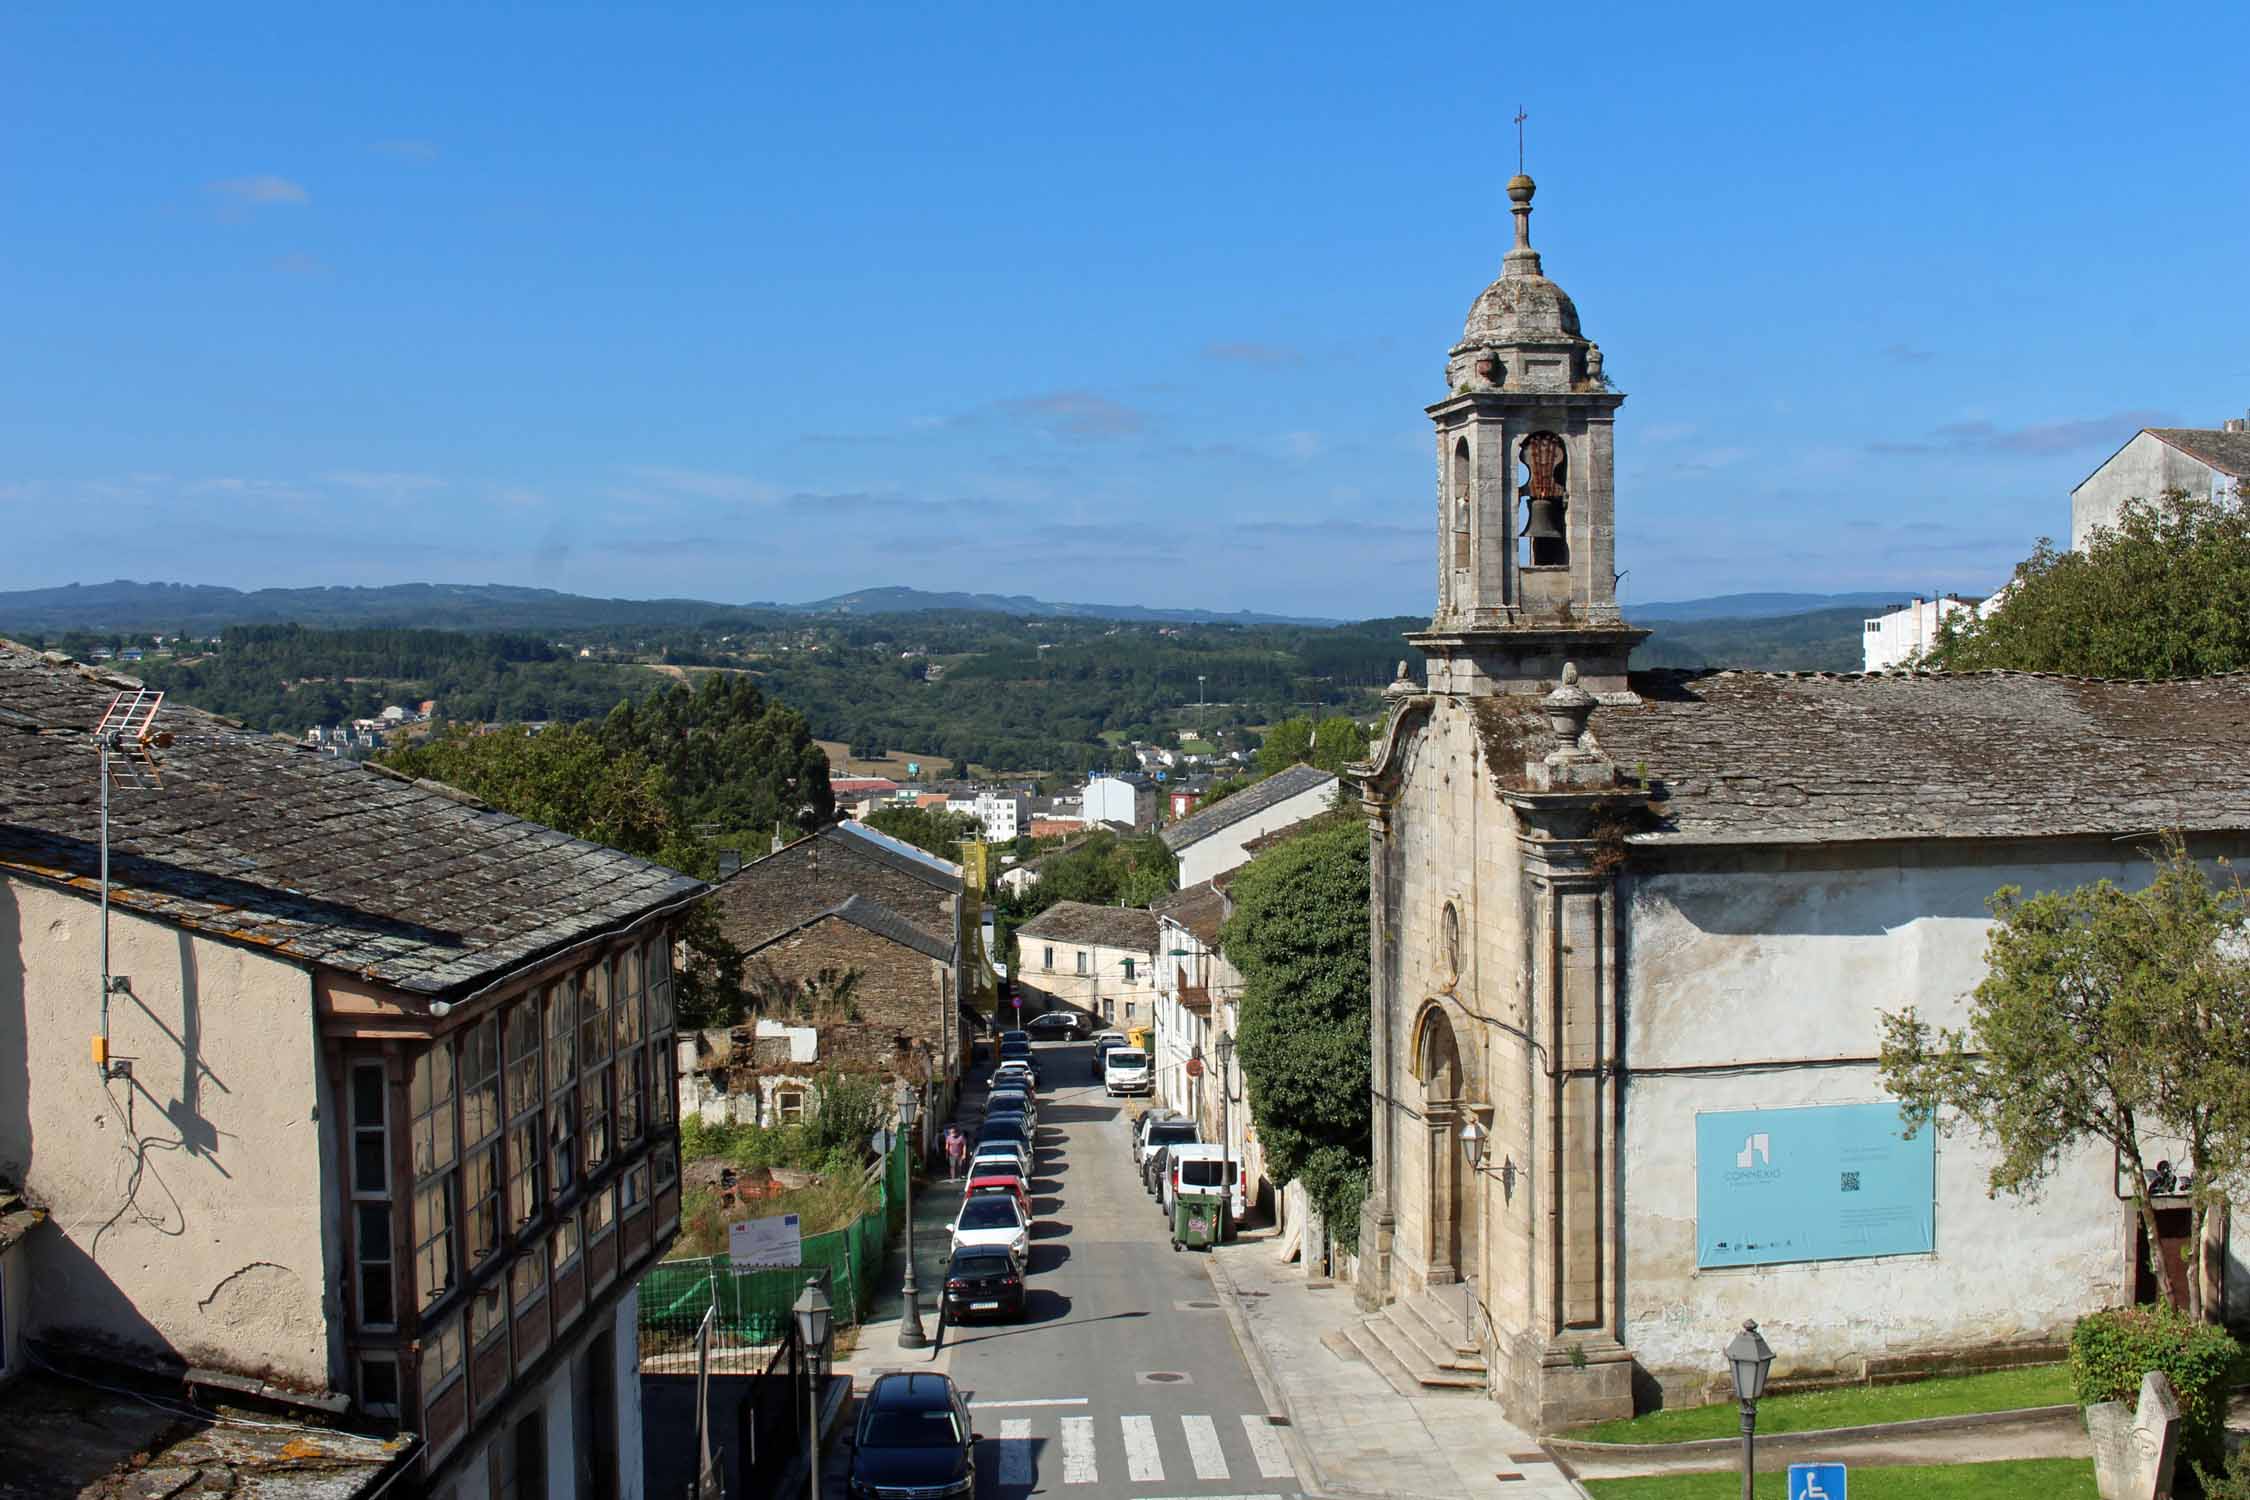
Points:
x=814, y=875
x=874, y=917
x=1127, y=927
x=252, y=839
x=2228, y=452
x=1279, y=787
x=1776, y=758
x=1201, y=908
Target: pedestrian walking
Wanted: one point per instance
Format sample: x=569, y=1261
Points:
x=956, y=1149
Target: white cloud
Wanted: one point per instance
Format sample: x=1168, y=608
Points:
x=261, y=190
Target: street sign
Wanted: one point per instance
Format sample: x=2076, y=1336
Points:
x=771, y=1241
x=1195, y=1067
x=1816, y=1482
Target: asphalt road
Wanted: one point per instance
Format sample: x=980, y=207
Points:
x=1123, y=1379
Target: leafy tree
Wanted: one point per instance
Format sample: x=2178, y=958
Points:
x=2105, y=1015
x=2164, y=593
x=1286, y=744
x=1299, y=935
x=564, y=777
x=1339, y=742
x=928, y=828
x=828, y=994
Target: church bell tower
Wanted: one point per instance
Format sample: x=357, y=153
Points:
x=1527, y=534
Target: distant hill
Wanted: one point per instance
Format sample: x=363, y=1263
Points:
x=124, y=605
x=898, y=600
x=1754, y=606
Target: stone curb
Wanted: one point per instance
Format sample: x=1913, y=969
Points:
x=1913, y=1427
x=1269, y=1388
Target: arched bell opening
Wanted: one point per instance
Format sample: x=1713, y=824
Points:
x=1545, y=486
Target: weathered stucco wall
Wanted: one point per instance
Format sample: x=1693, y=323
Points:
x=190, y=1204
x=1771, y=973
x=1223, y=850
x=2142, y=470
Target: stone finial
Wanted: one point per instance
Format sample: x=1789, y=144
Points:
x=2135, y=1450
x=1568, y=707
x=1403, y=684
x=1522, y=260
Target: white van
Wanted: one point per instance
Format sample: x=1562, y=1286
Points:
x=1125, y=1071
x=1204, y=1169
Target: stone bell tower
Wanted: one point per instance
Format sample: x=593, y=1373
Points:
x=1527, y=502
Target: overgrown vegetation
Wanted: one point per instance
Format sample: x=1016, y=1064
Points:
x=2111, y=1350
x=2104, y=1016
x=931, y=829
x=1299, y=934
x=2164, y=593
x=1104, y=869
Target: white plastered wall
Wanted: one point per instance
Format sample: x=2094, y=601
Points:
x=1776, y=973
x=191, y=1204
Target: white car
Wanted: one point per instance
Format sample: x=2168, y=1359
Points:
x=1125, y=1071
x=993, y=1219
x=995, y=1152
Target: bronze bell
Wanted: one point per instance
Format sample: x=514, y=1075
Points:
x=1544, y=523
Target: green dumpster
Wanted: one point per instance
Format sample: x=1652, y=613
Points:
x=1199, y=1220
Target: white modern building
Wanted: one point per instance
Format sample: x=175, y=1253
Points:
x=1128, y=799
x=1900, y=635
x=1215, y=840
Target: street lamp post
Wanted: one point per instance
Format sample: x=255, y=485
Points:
x=1472, y=1149
x=1227, y=1163
x=910, y=1334
x=1748, y=1360
x=812, y=1334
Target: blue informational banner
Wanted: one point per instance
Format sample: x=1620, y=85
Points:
x=1816, y=1482
x=1830, y=1182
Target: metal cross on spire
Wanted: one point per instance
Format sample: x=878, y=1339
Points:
x=1520, y=118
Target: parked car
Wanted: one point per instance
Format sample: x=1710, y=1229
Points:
x=1011, y=1100
x=1018, y=1050
x=993, y=1220
x=1016, y=1035
x=1125, y=1071
x=1016, y=1069
x=1010, y=1183
x=1152, y=1173
x=983, y=1282
x=1202, y=1167
x=1175, y=1130
x=913, y=1435
x=1015, y=1153
x=1057, y=1025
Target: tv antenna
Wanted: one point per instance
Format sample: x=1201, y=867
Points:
x=128, y=739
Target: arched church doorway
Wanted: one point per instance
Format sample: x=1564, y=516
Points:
x=1451, y=1245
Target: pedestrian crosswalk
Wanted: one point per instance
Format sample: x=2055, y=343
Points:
x=1044, y=1451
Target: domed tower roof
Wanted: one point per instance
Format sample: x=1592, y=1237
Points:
x=1522, y=309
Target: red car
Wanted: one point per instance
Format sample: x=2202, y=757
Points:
x=996, y=1183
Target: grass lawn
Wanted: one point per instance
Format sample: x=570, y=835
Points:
x=1852, y=1406
x=2011, y=1479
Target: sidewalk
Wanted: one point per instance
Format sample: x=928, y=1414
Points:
x=1360, y=1436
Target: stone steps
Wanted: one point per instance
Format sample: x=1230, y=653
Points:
x=1369, y=1347
x=1436, y=1323
x=1398, y=1341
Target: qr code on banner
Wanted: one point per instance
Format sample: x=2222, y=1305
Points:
x=1851, y=1182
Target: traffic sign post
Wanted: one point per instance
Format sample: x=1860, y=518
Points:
x=1816, y=1482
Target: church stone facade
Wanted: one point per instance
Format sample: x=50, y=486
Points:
x=1616, y=914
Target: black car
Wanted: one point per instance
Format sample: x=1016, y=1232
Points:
x=983, y=1281
x=1057, y=1023
x=1011, y=1131
x=913, y=1438
x=1016, y=1051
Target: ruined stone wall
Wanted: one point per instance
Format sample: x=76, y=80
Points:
x=902, y=995
x=1758, y=980
x=192, y=1206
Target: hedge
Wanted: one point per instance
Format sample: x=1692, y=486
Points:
x=2112, y=1349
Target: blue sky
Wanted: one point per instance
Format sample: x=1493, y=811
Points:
x=1135, y=305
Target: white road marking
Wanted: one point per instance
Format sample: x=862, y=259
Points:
x=1265, y=1446
x=1078, y=1450
x=1203, y=1447
x=1142, y=1462
x=1015, y=1454
x=1030, y=1401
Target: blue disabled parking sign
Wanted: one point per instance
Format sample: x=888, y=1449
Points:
x=1816, y=1482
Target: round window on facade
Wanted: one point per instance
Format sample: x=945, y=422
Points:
x=1450, y=934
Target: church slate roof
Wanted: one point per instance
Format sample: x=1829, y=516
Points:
x=1127, y=927
x=252, y=839
x=2228, y=452
x=1255, y=798
x=1778, y=758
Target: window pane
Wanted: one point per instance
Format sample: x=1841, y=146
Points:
x=527, y=1149
x=441, y=1357
x=527, y=1278
x=378, y=1384
x=562, y=1035
x=367, y=1095
x=480, y=1081
x=371, y=1163
x=564, y=1245
x=629, y=1069
x=524, y=1023
x=480, y=1188
x=488, y=1312
x=562, y=1140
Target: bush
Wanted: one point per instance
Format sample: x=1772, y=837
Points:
x=2231, y=1482
x=2112, y=1349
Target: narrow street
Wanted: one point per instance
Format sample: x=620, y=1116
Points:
x=1124, y=1378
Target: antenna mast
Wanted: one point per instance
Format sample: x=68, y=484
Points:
x=128, y=741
